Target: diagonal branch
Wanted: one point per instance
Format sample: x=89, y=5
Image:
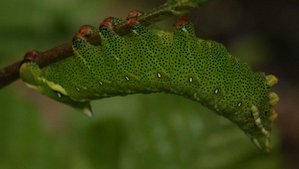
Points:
x=10, y=73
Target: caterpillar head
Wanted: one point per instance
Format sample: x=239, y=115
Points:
x=31, y=75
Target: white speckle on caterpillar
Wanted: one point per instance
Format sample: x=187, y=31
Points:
x=216, y=91
x=239, y=104
x=78, y=90
x=59, y=94
x=190, y=79
x=127, y=78
x=101, y=83
x=159, y=75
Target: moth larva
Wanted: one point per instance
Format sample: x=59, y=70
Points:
x=150, y=60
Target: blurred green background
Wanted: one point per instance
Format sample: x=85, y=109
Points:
x=147, y=131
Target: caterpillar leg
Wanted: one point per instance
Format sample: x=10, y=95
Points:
x=273, y=99
x=30, y=56
x=258, y=121
x=262, y=121
x=79, y=42
x=263, y=141
x=108, y=26
x=113, y=42
x=271, y=80
x=80, y=37
x=86, y=31
x=273, y=115
x=132, y=18
x=184, y=26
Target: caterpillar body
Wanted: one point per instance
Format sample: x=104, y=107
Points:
x=150, y=60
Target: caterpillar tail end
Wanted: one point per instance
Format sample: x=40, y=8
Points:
x=263, y=122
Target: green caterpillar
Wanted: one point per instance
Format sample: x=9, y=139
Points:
x=150, y=60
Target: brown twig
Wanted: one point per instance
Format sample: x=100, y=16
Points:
x=11, y=73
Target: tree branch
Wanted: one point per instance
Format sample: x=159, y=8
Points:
x=172, y=7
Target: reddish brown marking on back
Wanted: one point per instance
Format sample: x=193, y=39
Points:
x=181, y=21
x=134, y=14
x=132, y=22
x=84, y=32
x=132, y=18
x=31, y=55
x=108, y=22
